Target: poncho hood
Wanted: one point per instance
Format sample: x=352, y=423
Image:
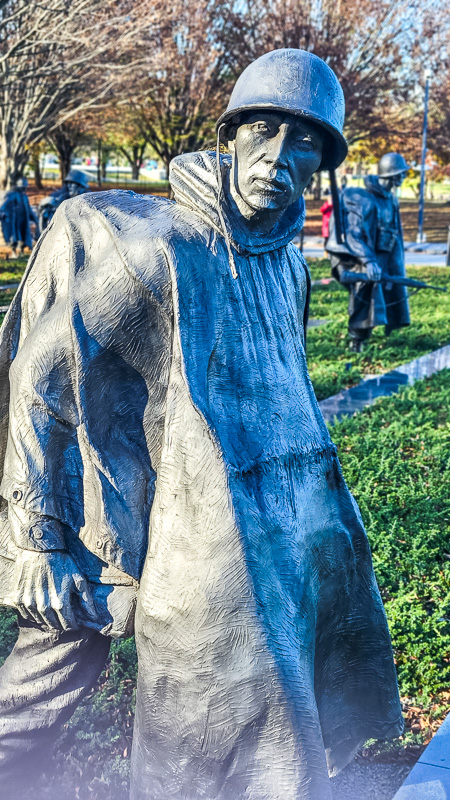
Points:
x=373, y=185
x=194, y=182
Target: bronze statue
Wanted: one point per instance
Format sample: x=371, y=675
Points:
x=75, y=183
x=163, y=430
x=373, y=249
x=16, y=217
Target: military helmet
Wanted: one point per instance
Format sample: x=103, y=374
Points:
x=78, y=177
x=391, y=164
x=296, y=82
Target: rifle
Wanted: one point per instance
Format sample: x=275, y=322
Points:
x=349, y=277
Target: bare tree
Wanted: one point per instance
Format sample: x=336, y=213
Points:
x=375, y=47
x=56, y=57
x=179, y=86
x=65, y=139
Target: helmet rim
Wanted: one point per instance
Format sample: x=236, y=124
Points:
x=329, y=160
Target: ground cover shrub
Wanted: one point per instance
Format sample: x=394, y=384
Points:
x=331, y=365
x=395, y=456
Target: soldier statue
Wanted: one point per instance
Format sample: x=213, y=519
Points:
x=74, y=184
x=16, y=217
x=163, y=432
x=373, y=250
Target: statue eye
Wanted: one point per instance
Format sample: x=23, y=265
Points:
x=261, y=127
x=303, y=140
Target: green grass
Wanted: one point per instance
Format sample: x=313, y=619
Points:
x=396, y=459
x=331, y=365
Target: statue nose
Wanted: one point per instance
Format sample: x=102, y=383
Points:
x=277, y=148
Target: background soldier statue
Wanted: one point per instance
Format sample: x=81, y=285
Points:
x=163, y=428
x=16, y=216
x=75, y=183
x=373, y=250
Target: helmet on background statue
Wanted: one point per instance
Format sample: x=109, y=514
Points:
x=295, y=82
x=391, y=164
x=21, y=183
x=78, y=177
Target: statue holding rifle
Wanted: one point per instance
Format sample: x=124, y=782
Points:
x=373, y=250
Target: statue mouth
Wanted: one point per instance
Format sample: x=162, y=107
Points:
x=269, y=186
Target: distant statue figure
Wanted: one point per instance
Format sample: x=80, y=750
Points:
x=373, y=248
x=74, y=184
x=16, y=217
x=161, y=430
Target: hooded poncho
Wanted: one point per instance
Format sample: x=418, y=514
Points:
x=165, y=405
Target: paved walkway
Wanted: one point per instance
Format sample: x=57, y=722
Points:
x=429, y=779
x=350, y=401
x=429, y=254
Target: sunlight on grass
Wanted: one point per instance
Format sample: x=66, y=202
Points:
x=331, y=365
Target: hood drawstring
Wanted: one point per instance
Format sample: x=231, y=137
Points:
x=231, y=260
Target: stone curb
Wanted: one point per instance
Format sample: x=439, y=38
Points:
x=429, y=779
x=350, y=401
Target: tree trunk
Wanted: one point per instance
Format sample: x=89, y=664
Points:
x=99, y=162
x=12, y=163
x=65, y=161
x=35, y=163
x=136, y=164
x=317, y=186
x=135, y=170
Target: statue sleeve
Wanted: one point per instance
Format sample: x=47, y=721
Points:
x=42, y=474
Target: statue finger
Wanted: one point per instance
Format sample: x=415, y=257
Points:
x=67, y=619
x=85, y=597
x=50, y=619
x=61, y=603
x=28, y=614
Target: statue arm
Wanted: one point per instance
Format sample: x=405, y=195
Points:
x=42, y=479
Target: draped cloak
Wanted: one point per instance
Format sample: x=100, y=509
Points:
x=162, y=415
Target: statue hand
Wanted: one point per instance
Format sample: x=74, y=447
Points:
x=48, y=589
x=373, y=271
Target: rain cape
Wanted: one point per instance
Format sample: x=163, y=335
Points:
x=162, y=413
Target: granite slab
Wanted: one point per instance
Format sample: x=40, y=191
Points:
x=429, y=779
x=350, y=401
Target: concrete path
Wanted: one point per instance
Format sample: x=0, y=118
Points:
x=369, y=781
x=429, y=779
x=350, y=401
x=429, y=254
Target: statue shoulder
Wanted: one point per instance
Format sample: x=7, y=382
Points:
x=358, y=199
x=121, y=209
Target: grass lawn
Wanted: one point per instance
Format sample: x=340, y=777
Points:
x=395, y=457
x=331, y=365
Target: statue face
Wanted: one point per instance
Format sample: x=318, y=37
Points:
x=397, y=180
x=393, y=181
x=274, y=158
x=73, y=189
